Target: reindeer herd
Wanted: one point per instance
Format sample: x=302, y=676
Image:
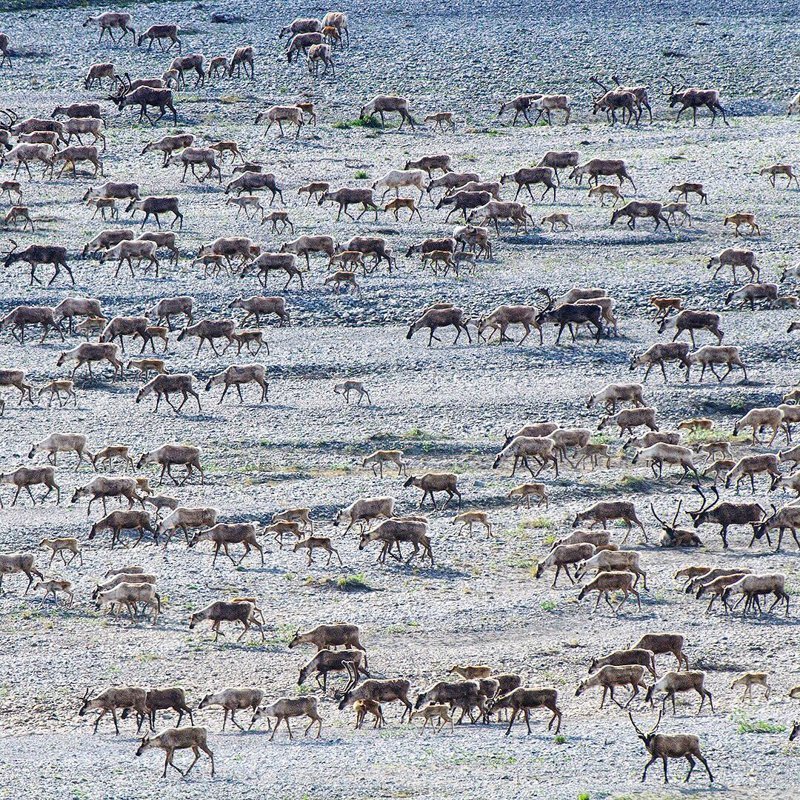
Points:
x=630, y=433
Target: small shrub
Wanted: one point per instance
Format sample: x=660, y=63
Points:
x=347, y=124
x=548, y=605
x=370, y=122
x=361, y=174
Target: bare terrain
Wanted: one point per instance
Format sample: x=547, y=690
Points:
x=447, y=407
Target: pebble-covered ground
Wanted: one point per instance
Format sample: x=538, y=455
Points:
x=447, y=406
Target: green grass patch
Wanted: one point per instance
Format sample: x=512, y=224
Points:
x=700, y=437
x=147, y=657
x=347, y=124
x=334, y=470
x=285, y=633
x=361, y=174
x=353, y=583
x=416, y=433
x=633, y=483
x=382, y=436
x=746, y=725
x=548, y=605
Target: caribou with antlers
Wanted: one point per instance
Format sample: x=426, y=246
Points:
x=146, y=97
x=36, y=254
x=674, y=536
x=569, y=314
x=725, y=513
x=613, y=100
x=639, y=92
x=672, y=745
x=694, y=98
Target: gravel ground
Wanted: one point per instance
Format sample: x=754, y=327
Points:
x=446, y=406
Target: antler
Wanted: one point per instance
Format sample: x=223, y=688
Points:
x=671, y=84
x=658, y=722
x=696, y=487
x=14, y=247
x=616, y=80
x=87, y=695
x=546, y=293
x=677, y=511
x=635, y=726
x=595, y=80
x=661, y=521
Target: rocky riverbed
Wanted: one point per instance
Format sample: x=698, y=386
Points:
x=447, y=407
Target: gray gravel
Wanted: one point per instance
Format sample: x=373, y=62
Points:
x=446, y=406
